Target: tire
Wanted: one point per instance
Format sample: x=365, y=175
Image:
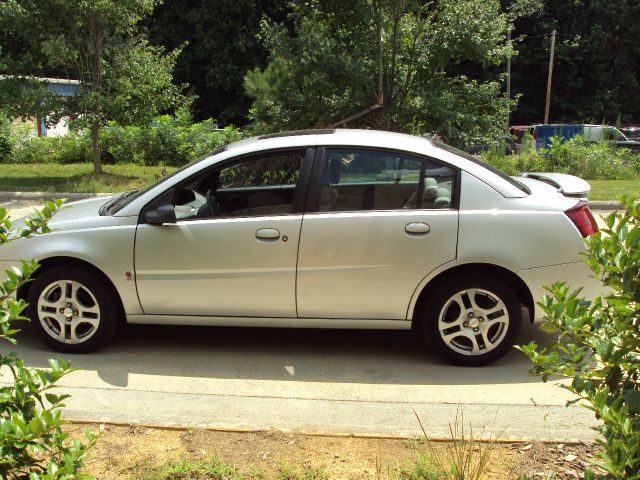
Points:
x=72, y=309
x=472, y=320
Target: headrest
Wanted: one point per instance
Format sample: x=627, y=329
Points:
x=333, y=172
x=430, y=182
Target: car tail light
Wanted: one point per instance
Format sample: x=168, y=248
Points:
x=582, y=219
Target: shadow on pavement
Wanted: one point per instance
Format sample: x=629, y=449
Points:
x=297, y=355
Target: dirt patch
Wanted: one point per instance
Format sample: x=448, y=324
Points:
x=122, y=451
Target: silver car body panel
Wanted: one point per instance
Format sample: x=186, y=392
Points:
x=359, y=323
x=365, y=265
x=576, y=274
x=514, y=233
x=218, y=267
x=102, y=241
x=567, y=184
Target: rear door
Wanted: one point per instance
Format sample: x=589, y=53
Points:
x=380, y=221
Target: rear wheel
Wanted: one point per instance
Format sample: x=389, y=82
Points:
x=472, y=320
x=72, y=310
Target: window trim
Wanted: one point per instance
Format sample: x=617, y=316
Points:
x=298, y=202
x=320, y=165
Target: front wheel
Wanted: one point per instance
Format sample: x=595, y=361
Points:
x=472, y=320
x=72, y=310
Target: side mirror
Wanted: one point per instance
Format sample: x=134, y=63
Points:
x=162, y=214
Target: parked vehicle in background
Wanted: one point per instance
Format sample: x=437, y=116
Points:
x=323, y=228
x=632, y=132
x=543, y=133
x=505, y=144
x=519, y=133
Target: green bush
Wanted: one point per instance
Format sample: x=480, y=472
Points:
x=592, y=161
x=5, y=139
x=598, y=343
x=32, y=443
x=72, y=148
x=168, y=141
x=171, y=141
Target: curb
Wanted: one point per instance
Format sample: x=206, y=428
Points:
x=373, y=436
x=42, y=196
x=605, y=205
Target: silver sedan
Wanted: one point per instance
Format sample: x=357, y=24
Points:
x=325, y=228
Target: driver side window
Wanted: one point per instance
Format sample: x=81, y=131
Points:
x=256, y=186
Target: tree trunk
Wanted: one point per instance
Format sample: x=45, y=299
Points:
x=97, y=162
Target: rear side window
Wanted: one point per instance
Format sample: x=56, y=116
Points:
x=491, y=168
x=355, y=180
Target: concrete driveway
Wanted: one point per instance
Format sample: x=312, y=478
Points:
x=356, y=382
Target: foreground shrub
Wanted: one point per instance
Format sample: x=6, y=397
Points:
x=598, y=344
x=32, y=443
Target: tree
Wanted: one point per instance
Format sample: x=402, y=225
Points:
x=597, y=66
x=394, y=64
x=122, y=76
x=221, y=38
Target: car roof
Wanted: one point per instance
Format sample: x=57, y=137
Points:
x=338, y=136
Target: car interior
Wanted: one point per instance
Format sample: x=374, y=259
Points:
x=352, y=181
x=356, y=181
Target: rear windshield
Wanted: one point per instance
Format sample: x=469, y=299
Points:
x=476, y=160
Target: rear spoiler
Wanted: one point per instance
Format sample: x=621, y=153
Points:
x=568, y=185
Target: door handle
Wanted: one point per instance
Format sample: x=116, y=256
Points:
x=267, y=234
x=417, y=228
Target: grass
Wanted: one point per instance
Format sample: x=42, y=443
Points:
x=53, y=177
x=185, y=470
x=613, y=189
x=216, y=469
x=464, y=458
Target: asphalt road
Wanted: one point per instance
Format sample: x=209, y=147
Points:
x=357, y=382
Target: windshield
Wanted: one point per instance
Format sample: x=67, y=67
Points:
x=491, y=168
x=126, y=198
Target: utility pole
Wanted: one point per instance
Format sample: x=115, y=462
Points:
x=553, y=51
x=508, y=81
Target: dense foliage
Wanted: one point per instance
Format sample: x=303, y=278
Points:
x=384, y=64
x=168, y=140
x=122, y=76
x=5, y=138
x=319, y=62
x=597, y=65
x=32, y=443
x=220, y=43
x=589, y=160
x=598, y=343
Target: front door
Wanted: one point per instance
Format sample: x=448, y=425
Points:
x=233, y=249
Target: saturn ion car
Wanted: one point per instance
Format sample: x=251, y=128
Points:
x=349, y=229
